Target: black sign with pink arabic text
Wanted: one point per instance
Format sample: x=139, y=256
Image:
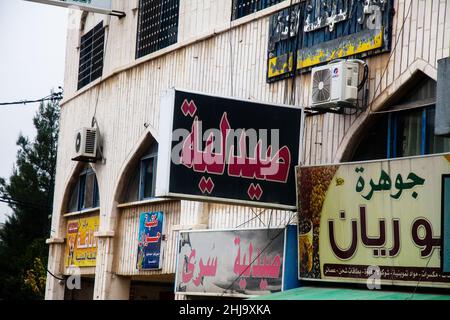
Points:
x=228, y=150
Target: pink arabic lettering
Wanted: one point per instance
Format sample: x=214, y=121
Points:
x=261, y=267
x=205, y=270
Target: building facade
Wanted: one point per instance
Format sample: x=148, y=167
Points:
x=117, y=70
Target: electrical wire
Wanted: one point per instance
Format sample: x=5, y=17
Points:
x=256, y=216
x=258, y=256
x=53, y=97
x=389, y=60
x=420, y=279
x=21, y=203
x=231, y=49
x=57, y=278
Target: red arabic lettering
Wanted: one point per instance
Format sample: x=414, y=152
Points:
x=152, y=223
x=155, y=239
x=271, y=166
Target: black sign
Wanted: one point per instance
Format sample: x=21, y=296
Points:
x=228, y=150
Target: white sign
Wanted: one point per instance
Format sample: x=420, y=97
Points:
x=99, y=6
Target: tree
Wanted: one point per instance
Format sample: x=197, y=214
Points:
x=30, y=189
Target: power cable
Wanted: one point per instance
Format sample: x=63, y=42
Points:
x=17, y=202
x=258, y=256
x=389, y=60
x=231, y=49
x=57, y=278
x=53, y=97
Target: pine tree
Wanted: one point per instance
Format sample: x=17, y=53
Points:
x=31, y=185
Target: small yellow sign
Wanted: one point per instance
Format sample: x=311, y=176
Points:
x=81, y=246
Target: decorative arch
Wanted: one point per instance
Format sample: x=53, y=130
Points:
x=416, y=72
x=144, y=143
x=69, y=185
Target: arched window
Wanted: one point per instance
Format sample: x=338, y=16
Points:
x=406, y=131
x=141, y=185
x=85, y=194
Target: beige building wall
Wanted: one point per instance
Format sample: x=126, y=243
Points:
x=215, y=56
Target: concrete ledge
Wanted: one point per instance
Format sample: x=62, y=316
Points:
x=104, y=234
x=55, y=241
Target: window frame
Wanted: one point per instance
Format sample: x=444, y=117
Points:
x=98, y=31
x=235, y=8
x=138, y=50
x=81, y=192
x=392, y=135
x=141, y=194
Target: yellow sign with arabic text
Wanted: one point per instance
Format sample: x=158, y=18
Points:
x=81, y=246
x=373, y=222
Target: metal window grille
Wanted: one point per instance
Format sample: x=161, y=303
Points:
x=91, y=55
x=157, y=25
x=242, y=8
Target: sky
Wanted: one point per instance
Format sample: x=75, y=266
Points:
x=32, y=55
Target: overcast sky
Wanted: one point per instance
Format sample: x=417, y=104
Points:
x=32, y=54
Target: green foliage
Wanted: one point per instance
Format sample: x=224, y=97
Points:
x=35, y=278
x=23, y=252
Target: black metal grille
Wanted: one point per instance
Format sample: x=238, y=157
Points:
x=242, y=8
x=157, y=26
x=91, y=55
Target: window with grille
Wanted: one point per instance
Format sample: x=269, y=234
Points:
x=157, y=25
x=91, y=55
x=242, y=8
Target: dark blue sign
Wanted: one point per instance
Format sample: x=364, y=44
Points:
x=150, y=241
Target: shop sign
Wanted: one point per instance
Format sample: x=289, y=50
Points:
x=81, y=245
x=227, y=150
x=238, y=263
x=150, y=242
x=378, y=220
x=316, y=32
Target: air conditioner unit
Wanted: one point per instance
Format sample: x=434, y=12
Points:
x=86, y=145
x=334, y=85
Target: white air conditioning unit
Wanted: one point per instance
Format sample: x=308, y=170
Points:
x=334, y=85
x=86, y=140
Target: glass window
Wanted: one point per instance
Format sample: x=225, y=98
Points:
x=85, y=194
x=91, y=56
x=242, y=8
x=435, y=144
x=142, y=178
x=407, y=133
x=148, y=175
x=402, y=134
x=157, y=25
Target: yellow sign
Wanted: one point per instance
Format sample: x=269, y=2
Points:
x=81, y=246
x=365, y=41
x=370, y=221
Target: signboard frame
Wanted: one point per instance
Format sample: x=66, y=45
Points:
x=82, y=6
x=285, y=231
x=161, y=242
x=167, y=108
x=72, y=239
x=445, y=227
x=405, y=283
